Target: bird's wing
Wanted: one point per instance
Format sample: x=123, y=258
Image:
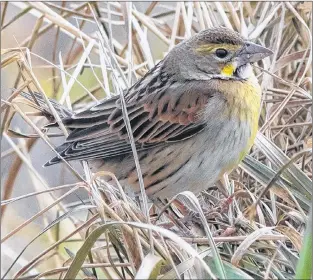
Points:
x=167, y=115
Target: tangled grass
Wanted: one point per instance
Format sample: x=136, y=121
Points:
x=252, y=225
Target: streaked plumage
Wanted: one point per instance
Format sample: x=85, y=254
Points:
x=193, y=117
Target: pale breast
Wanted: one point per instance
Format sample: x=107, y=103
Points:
x=232, y=122
x=203, y=159
x=197, y=163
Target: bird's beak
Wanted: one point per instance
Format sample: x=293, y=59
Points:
x=251, y=52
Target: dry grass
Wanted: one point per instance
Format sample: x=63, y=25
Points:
x=251, y=226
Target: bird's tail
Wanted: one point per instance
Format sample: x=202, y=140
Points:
x=38, y=103
x=36, y=100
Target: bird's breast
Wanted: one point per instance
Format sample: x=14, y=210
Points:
x=194, y=164
x=243, y=101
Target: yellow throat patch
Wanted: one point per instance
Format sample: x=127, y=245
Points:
x=228, y=70
x=244, y=100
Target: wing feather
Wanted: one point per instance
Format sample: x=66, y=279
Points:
x=171, y=114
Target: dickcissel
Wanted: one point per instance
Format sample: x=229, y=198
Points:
x=194, y=116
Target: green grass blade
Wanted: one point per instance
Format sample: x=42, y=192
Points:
x=304, y=267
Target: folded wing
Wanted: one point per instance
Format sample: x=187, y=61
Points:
x=166, y=115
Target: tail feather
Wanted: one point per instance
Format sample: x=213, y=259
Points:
x=37, y=98
x=52, y=161
x=61, y=150
x=63, y=113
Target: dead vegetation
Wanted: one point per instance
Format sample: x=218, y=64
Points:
x=252, y=225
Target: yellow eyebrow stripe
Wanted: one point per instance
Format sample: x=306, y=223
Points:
x=208, y=48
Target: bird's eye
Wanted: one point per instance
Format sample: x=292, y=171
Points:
x=221, y=53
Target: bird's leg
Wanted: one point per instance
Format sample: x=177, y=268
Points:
x=192, y=216
x=187, y=212
x=177, y=221
x=223, y=185
x=187, y=220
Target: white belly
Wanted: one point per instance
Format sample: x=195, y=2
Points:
x=210, y=153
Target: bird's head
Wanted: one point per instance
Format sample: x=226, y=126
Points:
x=217, y=53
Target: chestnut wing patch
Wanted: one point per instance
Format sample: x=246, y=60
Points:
x=158, y=119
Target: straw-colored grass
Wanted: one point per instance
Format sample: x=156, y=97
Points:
x=251, y=226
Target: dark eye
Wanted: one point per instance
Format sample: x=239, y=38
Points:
x=221, y=53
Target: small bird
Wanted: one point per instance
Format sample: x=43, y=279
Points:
x=194, y=116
